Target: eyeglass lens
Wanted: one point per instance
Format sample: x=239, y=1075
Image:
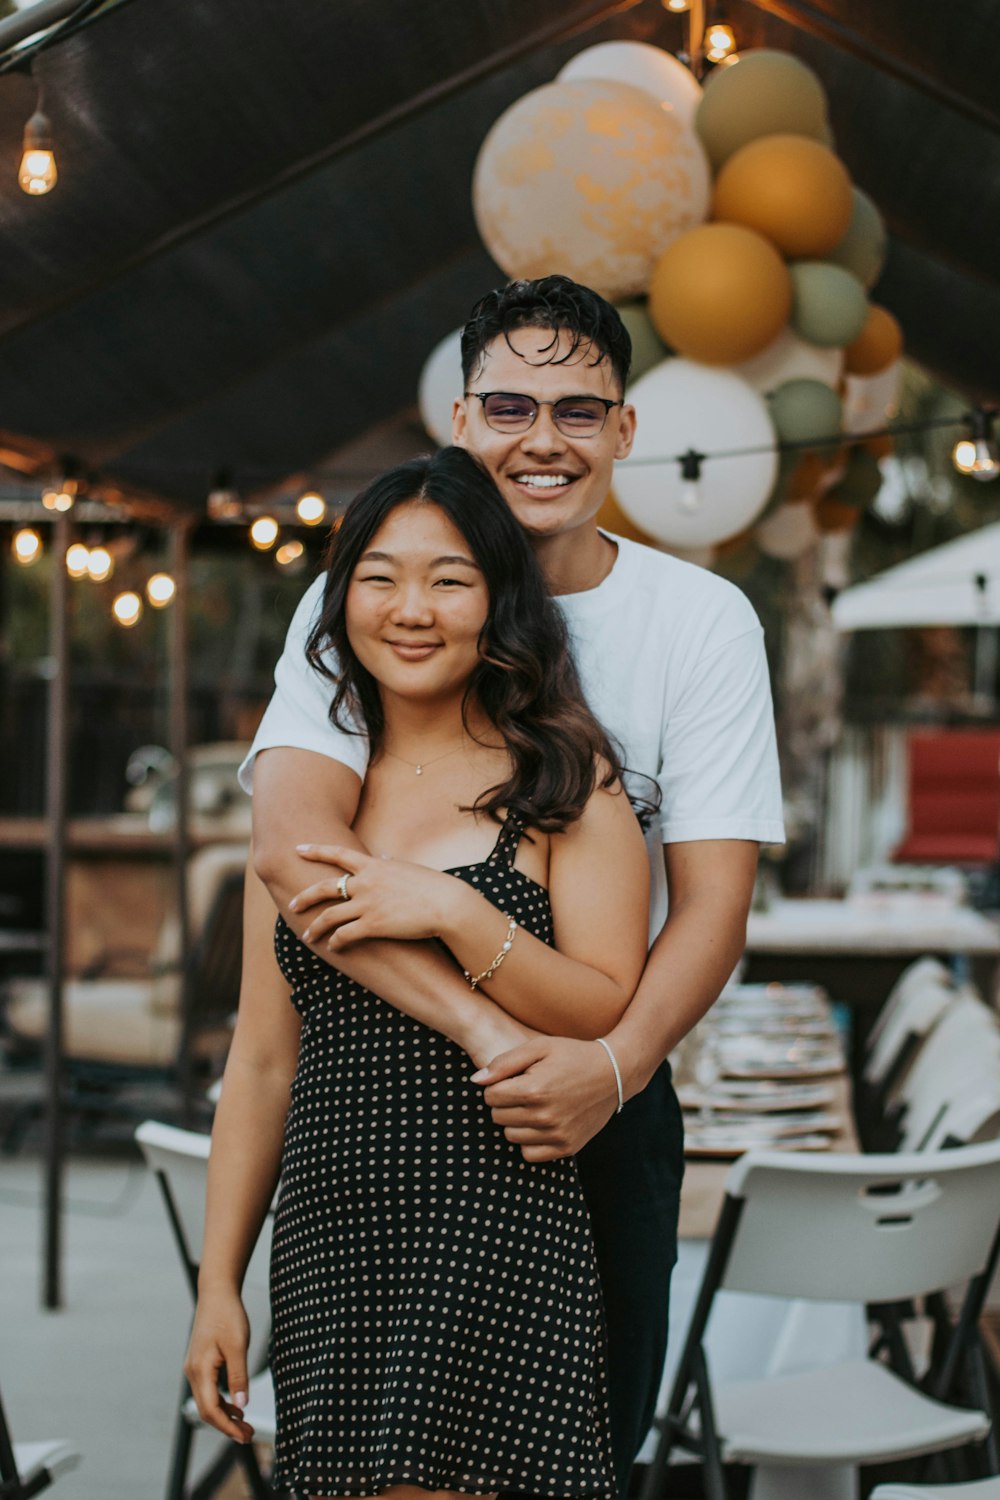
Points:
x=574, y=415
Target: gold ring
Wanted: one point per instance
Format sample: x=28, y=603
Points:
x=342, y=887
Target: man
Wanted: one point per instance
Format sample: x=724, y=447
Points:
x=672, y=662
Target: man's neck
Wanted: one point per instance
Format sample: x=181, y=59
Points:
x=576, y=561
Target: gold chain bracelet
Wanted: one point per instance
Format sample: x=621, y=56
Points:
x=475, y=980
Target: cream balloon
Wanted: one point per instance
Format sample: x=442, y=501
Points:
x=589, y=178
x=791, y=358
x=440, y=383
x=870, y=401
x=680, y=407
x=788, y=532
x=672, y=85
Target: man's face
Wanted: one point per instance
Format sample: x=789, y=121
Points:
x=553, y=483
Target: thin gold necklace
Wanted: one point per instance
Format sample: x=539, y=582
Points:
x=418, y=766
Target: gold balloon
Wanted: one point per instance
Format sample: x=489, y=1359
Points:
x=720, y=294
x=789, y=188
x=591, y=178
x=877, y=346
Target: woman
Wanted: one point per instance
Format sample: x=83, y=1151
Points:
x=437, y=1315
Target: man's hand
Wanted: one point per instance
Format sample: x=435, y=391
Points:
x=550, y=1095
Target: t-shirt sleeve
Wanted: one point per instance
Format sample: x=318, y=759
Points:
x=298, y=715
x=720, y=777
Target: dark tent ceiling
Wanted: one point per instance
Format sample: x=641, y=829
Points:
x=262, y=223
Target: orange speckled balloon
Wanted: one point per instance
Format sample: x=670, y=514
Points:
x=720, y=294
x=789, y=188
x=877, y=346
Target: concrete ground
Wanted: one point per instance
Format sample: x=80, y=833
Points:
x=105, y=1371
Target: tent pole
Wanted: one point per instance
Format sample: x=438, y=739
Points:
x=179, y=738
x=55, y=901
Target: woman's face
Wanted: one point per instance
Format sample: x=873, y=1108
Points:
x=416, y=604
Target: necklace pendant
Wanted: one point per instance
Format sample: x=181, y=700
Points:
x=420, y=770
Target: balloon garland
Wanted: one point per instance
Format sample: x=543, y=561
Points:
x=727, y=228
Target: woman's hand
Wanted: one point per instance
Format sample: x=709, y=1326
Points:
x=386, y=898
x=220, y=1337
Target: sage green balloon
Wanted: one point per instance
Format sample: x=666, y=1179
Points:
x=765, y=93
x=829, y=306
x=648, y=349
x=863, y=248
x=805, y=409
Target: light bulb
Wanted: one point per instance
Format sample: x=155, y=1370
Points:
x=311, y=509
x=127, y=608
x=77, y=559
x=677, y=5
x=289, y=553
x=99, y=564
x=59, y=499
x=26, y=546
x=690, y=496
x=37, y=173
x=160, y=589
x=977, y=455
x=719, y=42
x=264, y=533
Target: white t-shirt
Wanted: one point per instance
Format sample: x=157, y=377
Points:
x=672, y=663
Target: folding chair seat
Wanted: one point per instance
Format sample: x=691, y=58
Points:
x=28, y=1468
x=865, y=1229
x=978, y=1489
x=179, y=1159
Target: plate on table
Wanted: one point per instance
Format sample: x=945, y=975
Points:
x=804, y=1122
x=816, y=1067
x=729, y=1145
x=775, y=1027
x=756, y=1095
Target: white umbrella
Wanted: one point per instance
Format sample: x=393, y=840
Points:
x=955, y=584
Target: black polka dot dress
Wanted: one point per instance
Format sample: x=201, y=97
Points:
x=437, y=1315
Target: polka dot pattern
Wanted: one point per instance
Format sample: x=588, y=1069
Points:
x=437, y=1312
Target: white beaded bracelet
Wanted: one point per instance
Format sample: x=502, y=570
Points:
x=508, y=942
x=618, y=1077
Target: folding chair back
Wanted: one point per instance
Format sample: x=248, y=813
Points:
x=962, y=1053
x=862, y=1229
x=971, y=1118
x=917, y=976
x=909, y=1026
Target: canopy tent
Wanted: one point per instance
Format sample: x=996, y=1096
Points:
x=957, y=583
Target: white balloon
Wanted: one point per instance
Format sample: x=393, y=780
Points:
x=648, y=68
x=791, y=358
x=788, y=531
x=440, y=383
x=870, y=400
x=682, y=406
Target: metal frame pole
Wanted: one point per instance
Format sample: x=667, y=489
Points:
x=55, y=902
x=180, y=729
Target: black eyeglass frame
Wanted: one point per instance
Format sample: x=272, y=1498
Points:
x=484, y=396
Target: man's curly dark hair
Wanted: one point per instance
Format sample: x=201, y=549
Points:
x=555, y=303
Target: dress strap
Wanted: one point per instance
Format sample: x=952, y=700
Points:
x=508, y=839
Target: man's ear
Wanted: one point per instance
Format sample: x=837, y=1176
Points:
x=626, y=432
x=459, y=423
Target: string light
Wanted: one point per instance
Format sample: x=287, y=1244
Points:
x=311, y=509
x=127, y=608
x=719, y=42
x=160, y=589
x=77, y=560
x=677, y=6
x=289, y=553
x=690, y=499
x=37, y=173
x=26, y=546
x=100, y=564
x=264, y=533
x=62, y=497
x=977, y=455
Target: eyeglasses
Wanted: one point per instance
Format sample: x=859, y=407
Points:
x=574, y=416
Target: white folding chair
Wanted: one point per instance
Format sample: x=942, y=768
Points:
x=914, y=977
x=978, y=1489
x=962, y=1053
x=875, y=1229
x=28, y=1468
x=179, y=1158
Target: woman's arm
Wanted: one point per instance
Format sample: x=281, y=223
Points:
x=243, y=1166
x=599, y=889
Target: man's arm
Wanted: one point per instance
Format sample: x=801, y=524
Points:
x=299, y=797
x=552, y=1095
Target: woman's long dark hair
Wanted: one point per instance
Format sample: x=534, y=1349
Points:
x=525, y=682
